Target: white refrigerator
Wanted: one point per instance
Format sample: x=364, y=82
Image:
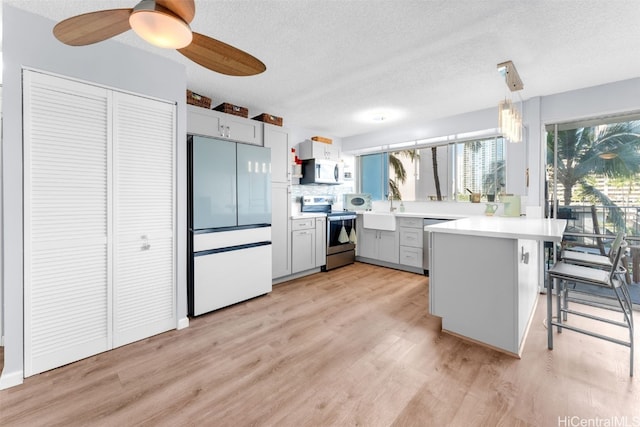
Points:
x=229, y=223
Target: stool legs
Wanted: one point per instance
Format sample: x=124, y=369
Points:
x=559, y=288
x=550, y=286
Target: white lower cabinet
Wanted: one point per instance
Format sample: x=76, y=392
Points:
x=388, y=246
x=280, y=235
x=308, y=244
x=379, y=245
x=411, y=232
x=411, y=256
x=277, y=139
x=490, y=299
x=367, y=240
x=303, y=244
x=321, y=242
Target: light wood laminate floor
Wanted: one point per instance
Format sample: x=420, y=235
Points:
x=351, y=347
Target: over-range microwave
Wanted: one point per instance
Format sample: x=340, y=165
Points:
x=321, y=171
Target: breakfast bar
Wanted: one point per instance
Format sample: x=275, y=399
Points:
x=486, y=274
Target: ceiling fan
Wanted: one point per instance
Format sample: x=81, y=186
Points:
x=164, y=23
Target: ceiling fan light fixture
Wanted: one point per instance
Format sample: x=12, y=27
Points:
x=160, y=26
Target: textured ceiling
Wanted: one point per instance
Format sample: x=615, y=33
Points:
x=329, y=61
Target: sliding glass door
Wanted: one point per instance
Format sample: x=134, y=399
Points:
x=593, y=181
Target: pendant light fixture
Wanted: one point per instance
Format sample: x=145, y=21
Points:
x=509, y=117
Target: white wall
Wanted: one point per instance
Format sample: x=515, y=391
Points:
x=28, y=42
x=609, y=99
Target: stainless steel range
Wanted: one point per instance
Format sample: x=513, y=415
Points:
x=341, y=230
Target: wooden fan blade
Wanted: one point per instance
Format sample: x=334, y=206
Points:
x=92, y=27
x=221, y=57
x=185, y=9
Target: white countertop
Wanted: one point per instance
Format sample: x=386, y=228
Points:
x=418, y=214
x=504, y=227
x=307, y=215
x=429, y=215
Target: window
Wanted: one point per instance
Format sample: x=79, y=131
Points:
x=436, y=172
x=376, y=170
x=479, y=167
x=593, y=175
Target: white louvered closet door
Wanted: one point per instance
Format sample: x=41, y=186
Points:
x=144, y=282
x=66, y=181
x=99, y=207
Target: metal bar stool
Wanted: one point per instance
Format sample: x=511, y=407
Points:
x=583, y=276
x=594, y=260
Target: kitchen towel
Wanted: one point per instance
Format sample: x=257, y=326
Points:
x=343, y=237
x=352, y=235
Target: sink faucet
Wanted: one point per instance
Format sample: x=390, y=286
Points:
x=391, y=208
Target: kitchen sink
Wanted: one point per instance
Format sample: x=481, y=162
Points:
x=379, y=220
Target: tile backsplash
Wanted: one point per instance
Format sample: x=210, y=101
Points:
x=297, y=191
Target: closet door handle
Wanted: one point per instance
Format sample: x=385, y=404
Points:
x=145, y=243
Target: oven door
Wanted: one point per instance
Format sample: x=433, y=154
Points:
x=341, y=234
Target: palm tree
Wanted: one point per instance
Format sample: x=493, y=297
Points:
x=436, y=178
x=611, y=150
x=400, y=174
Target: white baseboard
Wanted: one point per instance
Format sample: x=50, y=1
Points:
x=183, y=323
x=11, y=379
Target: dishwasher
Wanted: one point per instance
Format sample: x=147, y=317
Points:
x=426, y=244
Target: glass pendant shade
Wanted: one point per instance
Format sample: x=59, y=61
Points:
x=159, y=26
x=509, y=121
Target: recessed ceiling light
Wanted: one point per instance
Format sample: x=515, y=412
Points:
x=379, y=115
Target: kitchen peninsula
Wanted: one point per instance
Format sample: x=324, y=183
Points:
x=485, y=276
